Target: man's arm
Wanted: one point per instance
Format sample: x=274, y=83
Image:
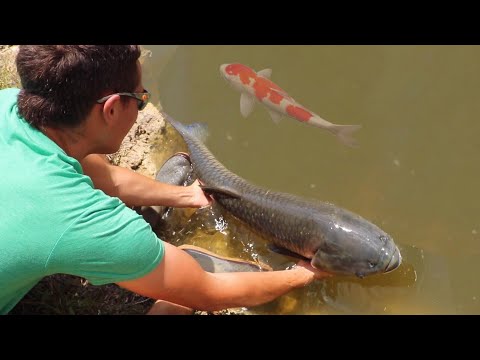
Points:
x=179, y=279
x=138, y=190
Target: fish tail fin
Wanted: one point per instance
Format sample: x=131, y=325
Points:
x=196, y=130
x=344, y=133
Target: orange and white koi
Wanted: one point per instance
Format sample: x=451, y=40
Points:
x=257, y=86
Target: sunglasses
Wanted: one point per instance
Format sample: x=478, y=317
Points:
x=142, y=98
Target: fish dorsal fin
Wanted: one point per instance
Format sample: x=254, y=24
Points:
x=276, y=117
x=266, y=73
x=247, y=103
x=221, y=191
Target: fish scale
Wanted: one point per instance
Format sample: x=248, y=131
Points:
x=335, y=239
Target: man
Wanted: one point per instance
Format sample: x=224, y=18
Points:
x=66, y=209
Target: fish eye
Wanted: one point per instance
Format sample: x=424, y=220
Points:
x=371, y=264
x=383, y=238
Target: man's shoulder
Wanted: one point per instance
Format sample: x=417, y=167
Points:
x=9, y=92
x=8, y=98
x=9, y=95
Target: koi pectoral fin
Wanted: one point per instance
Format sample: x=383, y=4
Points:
x=266, y=73
x=247, y=103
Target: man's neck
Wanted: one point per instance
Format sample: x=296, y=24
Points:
x=72, y=141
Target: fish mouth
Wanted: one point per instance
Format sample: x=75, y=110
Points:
x=222, y=69
x=395, y=261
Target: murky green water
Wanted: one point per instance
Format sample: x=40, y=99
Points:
x=415, y=173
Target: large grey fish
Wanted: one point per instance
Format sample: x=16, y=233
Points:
x=215, y=263
x=177, y=170
x=336, y=240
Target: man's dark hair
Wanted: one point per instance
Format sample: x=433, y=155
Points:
x=62, y=82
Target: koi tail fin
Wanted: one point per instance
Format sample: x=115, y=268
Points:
x=344, y=133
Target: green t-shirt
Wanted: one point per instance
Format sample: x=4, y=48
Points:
x=52, y=219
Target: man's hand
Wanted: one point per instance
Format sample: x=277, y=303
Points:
x=199, y=197
x=317, y=274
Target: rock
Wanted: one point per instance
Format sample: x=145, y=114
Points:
x=138, y=149
x=8, y=70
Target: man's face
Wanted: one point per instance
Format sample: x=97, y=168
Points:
x=129, y=113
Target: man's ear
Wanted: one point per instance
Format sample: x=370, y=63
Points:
x=111, y=109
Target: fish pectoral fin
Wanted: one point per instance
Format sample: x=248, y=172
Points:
x=247, y=103
x=221, y=191
x=283, y=251
x=276, y=117
x=266, y=73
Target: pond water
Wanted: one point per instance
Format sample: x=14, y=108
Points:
x=415, y=173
